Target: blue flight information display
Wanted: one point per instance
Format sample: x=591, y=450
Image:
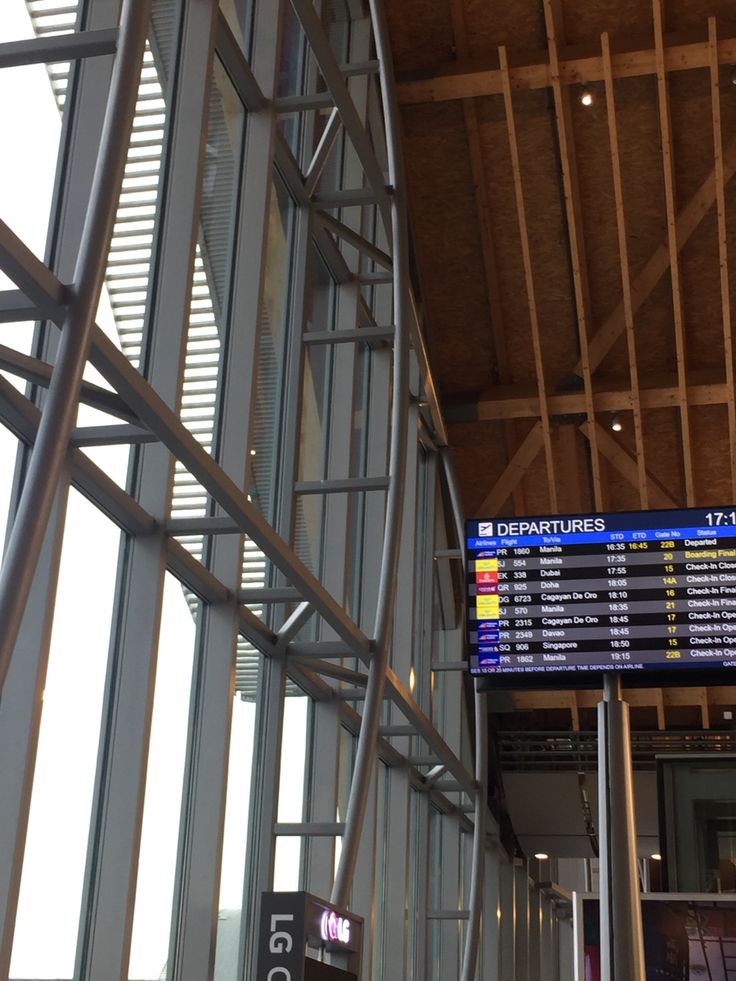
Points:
x=634, y=591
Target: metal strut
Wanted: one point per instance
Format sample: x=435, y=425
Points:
x=52, y=443
x=367, y=741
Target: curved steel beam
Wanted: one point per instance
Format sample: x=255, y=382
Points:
x=367, y=741
x=59, y=414
x=475, y=903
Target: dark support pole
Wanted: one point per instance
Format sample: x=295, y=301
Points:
x=622, y=943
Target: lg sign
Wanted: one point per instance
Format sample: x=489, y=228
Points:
x=295, y=924
x=280, y=942
x=335, y=928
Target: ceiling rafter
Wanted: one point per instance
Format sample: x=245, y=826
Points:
x=688, y=220
x=488, y=245
x=630, y=58
x=515, y=403
x=668, y=168
x=622, y=460
x=720, y=185
x=514, y=471
x=576, y=237
x=623, y=252
x=692, y=696
x=529, y=281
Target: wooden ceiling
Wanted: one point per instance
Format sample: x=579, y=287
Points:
x=575, y=260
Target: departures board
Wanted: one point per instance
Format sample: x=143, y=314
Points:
x=632, y=591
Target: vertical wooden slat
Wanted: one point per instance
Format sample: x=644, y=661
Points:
x=722, y=241
x=623, y=252
x=553, y=21
x=574, y=711
x=514, y=471
x=488, y=245
x=669, y=194
x=528, y=274
x=659, y=704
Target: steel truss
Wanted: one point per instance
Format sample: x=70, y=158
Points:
x=348, y=191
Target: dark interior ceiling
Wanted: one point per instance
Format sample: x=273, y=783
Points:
x=578, y=260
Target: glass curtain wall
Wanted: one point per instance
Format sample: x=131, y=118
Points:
x=181, y=711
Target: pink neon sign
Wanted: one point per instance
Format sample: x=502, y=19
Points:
x=335, y=928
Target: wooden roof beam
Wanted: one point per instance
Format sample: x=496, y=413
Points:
x=514, y=471
x=720, y=179
x=530, y=701
x=488, y=246
x=626, y=466
x=632, y=58
x=623, y=251
x=529, y=279
x=668, y=169
x=620, y=399
x=688, y=220
x=576, y=239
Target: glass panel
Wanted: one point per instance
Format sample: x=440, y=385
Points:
x=210, y=295
x=55, y=855
x=416, y=861
x=291, y=67
x=348, y=743
x=291, y=60
x=32, y=127
x=423, y=566
x=237, y=809
x=164, y=781
x=129, y=268
x=308, y=519
x=291, y=791
x=698, y=808
x=381, y=957
x=9, y=446
x=271, y=344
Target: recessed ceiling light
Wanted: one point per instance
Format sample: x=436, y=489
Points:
x=656, y=857
x=542, y=856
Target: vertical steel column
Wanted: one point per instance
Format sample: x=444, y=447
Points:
x=112, y=863
x=622, y=944
x=420, y=874
x=20, y=715
x=490, y=963
x=472, y=937
x=82, y=121
x=21, y=709
x=507, y=923
x=49, y=453
x=395, y=946
x=318, y=861
x=193, y=937
x=264, y=810
x=535, y=933
x=364, y=887
x=521, y=934
x=366, y=751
